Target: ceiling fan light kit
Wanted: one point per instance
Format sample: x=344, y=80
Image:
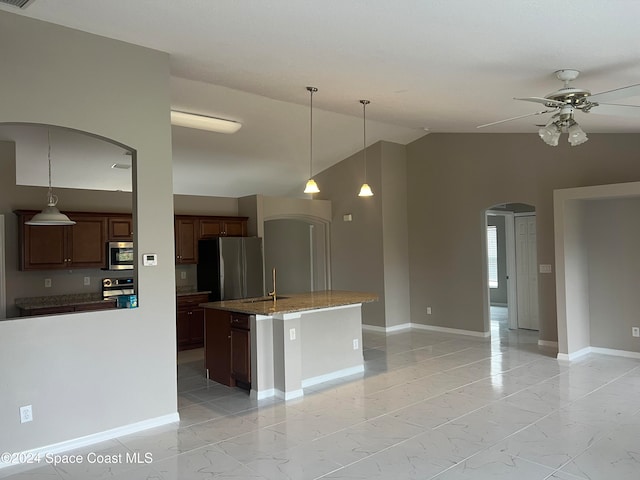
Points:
x=564, y=102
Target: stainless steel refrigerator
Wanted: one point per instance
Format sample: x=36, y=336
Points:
x=231, y=267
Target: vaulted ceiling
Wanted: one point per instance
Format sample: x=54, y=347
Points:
x=446, y=66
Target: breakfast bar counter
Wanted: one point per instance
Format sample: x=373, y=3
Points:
x=277, y=348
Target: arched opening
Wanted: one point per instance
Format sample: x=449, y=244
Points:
x=89, y=174
x=297, y=247
x=511, y=280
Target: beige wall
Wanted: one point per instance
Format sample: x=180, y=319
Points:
x=596, y=256
x=370, y=253
x=88, y=373
x=453, y=178
x=395, y=234
x=357, y=257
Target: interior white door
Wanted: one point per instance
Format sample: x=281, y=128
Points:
x=527, y=272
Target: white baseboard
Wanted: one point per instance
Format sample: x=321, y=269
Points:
x=420, y=326
x=574, y=355
x=95, y=438
x=457, y=331
x=617, y=353
x=394, y=328
x=547, y=343
x=345, y=372
x=289, y=395
x=262, y=394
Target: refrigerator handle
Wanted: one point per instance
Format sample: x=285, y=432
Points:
x=222, y=297
x=244, y=269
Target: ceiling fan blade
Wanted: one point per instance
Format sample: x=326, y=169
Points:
x=516, y=118
x=617, y=110
x=542, y=100
x=624, y=92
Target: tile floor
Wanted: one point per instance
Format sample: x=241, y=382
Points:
x=429, y=406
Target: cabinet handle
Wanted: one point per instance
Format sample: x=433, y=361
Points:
x=229, y=337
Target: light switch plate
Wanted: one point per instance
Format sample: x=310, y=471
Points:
x=545, y=268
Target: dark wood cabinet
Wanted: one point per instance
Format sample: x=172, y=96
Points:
x=228, y=347
x=190, y=321
x=223, y=227
x=83, y=245
x=121, y=229
x=186, y=238
x=240, y=349
x=63, y=247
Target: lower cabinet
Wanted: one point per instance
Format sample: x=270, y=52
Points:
x=190, y=321
x=228, y=348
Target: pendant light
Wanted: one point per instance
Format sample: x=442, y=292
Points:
x=311, y=186
x=365, y=190
x=50, y=215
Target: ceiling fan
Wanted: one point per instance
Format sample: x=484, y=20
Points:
x=564, y=102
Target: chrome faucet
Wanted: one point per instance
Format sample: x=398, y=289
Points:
x=273, y=276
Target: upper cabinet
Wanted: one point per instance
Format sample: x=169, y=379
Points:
x=63, y=247
x=83, y=245
x=223, y=227
x=186, y=232
x=121, y=228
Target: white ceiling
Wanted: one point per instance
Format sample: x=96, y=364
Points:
x=444, y=65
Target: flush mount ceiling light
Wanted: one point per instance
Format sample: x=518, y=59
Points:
x=50, y=215
x=365, y=190
x=203, y=122
x=563, y=122
x=311, y=186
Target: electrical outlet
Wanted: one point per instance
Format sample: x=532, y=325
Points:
x=87, y=280
x=183, y=275
x=635, y=331
x=355, y=343
x=428, y=310
x=47, y=283
x=26, y=414
x=292, y=334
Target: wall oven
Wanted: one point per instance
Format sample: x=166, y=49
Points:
x=120, y=256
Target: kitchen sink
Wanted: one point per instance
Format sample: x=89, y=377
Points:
x=261, y=299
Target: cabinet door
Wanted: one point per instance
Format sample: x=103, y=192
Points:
x=87, y=242
x=235, y=228
x=183, y=329
x=210, y=228
x=197, y=327
x=186, y=240
x=240, y=355
x=44, y=247
x=120, y=229
x=218, y=346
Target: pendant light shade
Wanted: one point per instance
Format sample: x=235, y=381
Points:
x=365, y=190
x=312, y=186
x=50, y=215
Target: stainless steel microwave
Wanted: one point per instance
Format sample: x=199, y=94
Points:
x=120, y=255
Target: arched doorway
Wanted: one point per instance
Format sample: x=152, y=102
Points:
x=298, y=247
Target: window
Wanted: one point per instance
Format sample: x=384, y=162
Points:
x=492, y=255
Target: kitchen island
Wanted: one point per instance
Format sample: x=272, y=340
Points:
x=277, y=348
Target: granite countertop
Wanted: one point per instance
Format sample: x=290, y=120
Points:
x=30, y=303
x=190, y=290
x=295, y=302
